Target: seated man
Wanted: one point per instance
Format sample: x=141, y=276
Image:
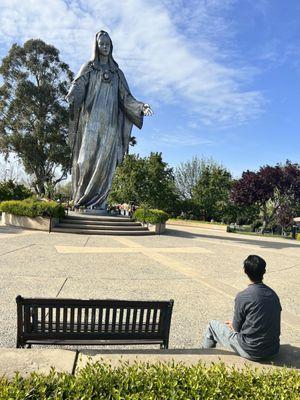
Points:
x=255, y=329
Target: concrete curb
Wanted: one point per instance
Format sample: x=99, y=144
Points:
x=39, y=360
x=27, y=361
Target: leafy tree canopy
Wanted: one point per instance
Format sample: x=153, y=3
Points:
x=33, y=112
x=9, y=190
x=188, y=173
x=211, y=192
x=275, y=190
x=146, y=180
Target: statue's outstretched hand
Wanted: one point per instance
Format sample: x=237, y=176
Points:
x=147, y=111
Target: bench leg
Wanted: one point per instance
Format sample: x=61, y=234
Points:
x=20, y=344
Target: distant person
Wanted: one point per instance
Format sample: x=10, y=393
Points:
x=255, y=329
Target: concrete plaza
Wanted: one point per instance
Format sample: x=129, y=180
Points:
x=201, y=269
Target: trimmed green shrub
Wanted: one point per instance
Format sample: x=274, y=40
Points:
x=150, y=216
x=9, y=190
x=298, y=236
x=157, y=381
x=33, y=208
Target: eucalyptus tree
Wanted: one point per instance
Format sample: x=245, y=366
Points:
x=34, y=113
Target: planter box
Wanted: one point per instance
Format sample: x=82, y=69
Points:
x=157, y=228
x=38, y=223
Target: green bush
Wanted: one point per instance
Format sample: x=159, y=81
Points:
x=298, y=236
x=33, y=208
x=12, y=191
x=157, y=381
x=150, y=216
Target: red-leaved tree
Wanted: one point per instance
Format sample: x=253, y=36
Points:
x=270, y=188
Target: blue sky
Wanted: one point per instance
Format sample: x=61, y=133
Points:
x=223, y=76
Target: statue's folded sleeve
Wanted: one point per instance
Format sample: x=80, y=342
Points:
x=132, y=108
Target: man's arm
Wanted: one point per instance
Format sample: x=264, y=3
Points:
x=239, y=315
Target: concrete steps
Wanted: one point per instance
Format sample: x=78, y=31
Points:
x=102, y=232
x=100, y=225
x=71, y=222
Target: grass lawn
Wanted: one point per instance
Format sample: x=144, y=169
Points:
x=193, y=221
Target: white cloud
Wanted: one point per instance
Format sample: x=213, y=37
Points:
x=188, y=139
x=164, y=61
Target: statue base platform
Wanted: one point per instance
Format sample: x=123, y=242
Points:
x=95, y=212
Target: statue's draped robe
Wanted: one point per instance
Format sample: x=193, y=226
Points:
x=102, y=115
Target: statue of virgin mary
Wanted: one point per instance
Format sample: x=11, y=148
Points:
x=102, y=113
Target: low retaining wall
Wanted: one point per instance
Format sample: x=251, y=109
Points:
x=157, y=228
x=38, y=223
x=195, y=224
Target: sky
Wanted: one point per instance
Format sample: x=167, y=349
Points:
x=222, y=76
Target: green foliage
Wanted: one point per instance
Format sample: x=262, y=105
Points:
x=150, y=216
x=9, y=190
x=33, y=111
x=211, y=192
x=160, y=381
x=188, y=173
x=146, y=180
x=240, y=215
x=204, y=187
x=298, y=236
x=33, y=208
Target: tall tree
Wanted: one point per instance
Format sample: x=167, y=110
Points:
x=272, y=189
x=212, y=190
x=146, y=180
x=188, y=173
x=33, y=112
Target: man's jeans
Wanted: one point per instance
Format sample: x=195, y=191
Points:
x=217, y=332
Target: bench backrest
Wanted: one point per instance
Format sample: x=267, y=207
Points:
x=73, y=319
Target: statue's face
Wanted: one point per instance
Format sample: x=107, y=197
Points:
x=104, y=45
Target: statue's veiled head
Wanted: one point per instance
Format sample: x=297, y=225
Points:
x=103, y=46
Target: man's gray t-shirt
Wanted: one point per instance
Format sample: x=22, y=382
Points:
x=257, y=320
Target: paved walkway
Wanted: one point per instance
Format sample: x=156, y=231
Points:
x=200, y=269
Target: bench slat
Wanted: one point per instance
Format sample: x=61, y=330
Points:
x=100, y=319
x=93, y=318
x=50, y=318
x=86, y=318
x=72, y=318
x=121, y=324
x=43, y=317
x=154, y=317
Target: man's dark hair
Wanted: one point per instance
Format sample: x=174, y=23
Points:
x=255, y=267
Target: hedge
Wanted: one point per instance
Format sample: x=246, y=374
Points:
x=298, y=236
x=161, y=381
x=9, y=190
x=33, y=208
x=150, y=216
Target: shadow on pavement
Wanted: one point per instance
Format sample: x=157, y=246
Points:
x=289, y=356
x=11, y=229
x=261, y=243
x=92, y=352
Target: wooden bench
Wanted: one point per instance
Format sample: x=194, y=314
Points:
x=92, y=322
